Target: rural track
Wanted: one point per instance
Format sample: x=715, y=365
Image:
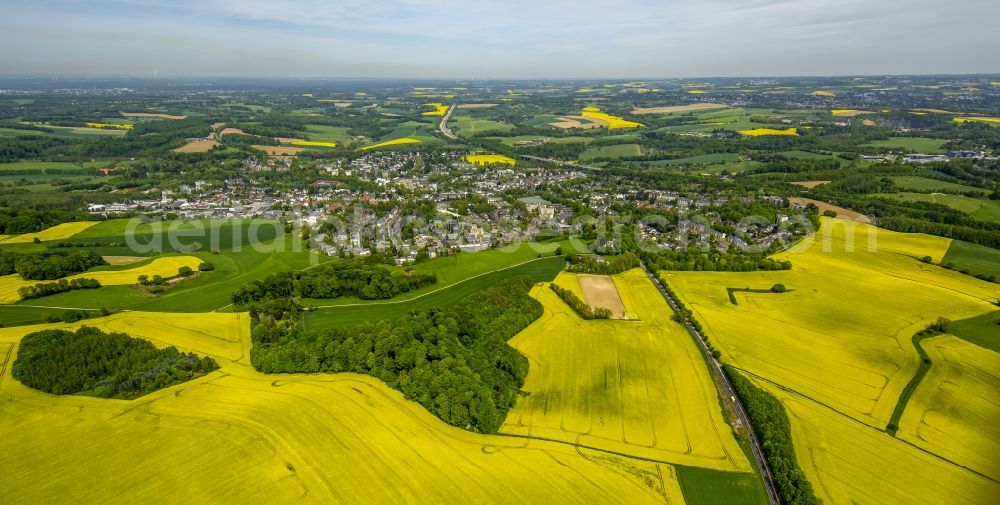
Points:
x=725, y=391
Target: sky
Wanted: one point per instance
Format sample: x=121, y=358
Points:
x=490, y=39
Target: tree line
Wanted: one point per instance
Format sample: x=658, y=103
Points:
x=579, y=306
x=60, y=286
x=454, y=361
x=48, y=265
x=770, y=423
x=110, y=365
x=713, y=261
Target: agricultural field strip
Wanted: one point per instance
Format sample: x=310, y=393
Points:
x=57, y=232
x=600, y=291
x=164, y=267
x=560, y=406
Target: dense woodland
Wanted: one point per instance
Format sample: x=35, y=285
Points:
x=94, y=363
x=454, y=361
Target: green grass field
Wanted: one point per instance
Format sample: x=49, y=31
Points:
x=323, y=133
x=979, y=208
x=612, y=151
x=704, y=159
x=702, y=486
x=975, y=258
x=983, y=330
x=921, y=145
x=49, y=165
x=467, y=125
x=918, y=183
x=805, y=155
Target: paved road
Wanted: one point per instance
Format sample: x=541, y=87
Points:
x=443, y=125
x=727, y=393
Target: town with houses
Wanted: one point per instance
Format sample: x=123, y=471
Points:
x=359, y=206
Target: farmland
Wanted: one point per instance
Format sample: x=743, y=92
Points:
x=228, y=437
x=352, y=191
x=390, y=143
x=164, y=267
x=613, y=122
x=954, y=410
x=834, y=383
x=346, y=315
x=678, y=109
x=633, y=387
x=761, y=132
x=981, y=208
x=489, y=159
x=975, y=258
x=599, y=291
x=58, y=232
x=915, y=144
x=918, y=183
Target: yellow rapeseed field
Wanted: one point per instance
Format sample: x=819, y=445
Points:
x=842, y=334
x=614, y=122
x=697, y=91
x=989, y=120
x=489, y=159
x=439, y=109
x=164, y=267
x=757, y=132
x=836, y=350
x=238, y=436
x=113, y=126
x=848, y=112
x=57, y=232
x=312, y=143
x=821, y=92
x=635, y=387
x=954, y=412
x=848, y=462
x=569, y=282
x=393, y=142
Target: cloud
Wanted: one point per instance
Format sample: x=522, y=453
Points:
x=492, y=38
